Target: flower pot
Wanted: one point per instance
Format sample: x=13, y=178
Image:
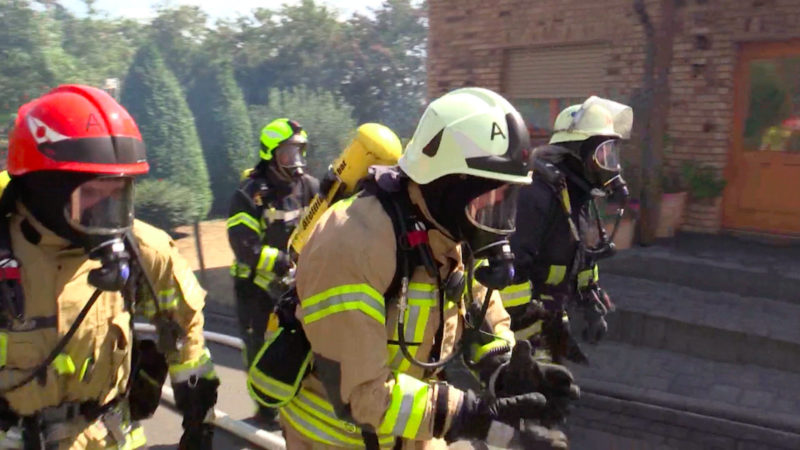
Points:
x=670, y=215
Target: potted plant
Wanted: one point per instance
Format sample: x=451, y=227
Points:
x=704, y=184
x=674, y=193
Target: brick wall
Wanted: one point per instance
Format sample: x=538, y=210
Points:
x=469, y=39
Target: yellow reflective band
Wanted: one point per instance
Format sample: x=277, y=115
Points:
x=407, y=407
x=245, y=219
x=565, y=200
x=529, y=331
x=266, y=262
x=63, y=364
x=270, y=386
x=167, y=299
x=556, y=275
x=315, y=419
x=3, y=349
x=202, y=367
x=263, y=281
x=480, y=351
x=344, y=203
x=416, y=319
x=240, y=270
x=516, y=295
x=87, y=363
x=133, y=440
x=350, y=297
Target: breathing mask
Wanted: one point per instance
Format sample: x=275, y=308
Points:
x=481, y=213
x=492, y=216
x=100, y=210
x=289, y=159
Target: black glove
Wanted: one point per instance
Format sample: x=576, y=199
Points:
x=195, y=401
x=478, y=414
x=536, y=437
x=327, y=183
x=282, y=264
x=524, y=374
x=148, y=376
x=595, y=306
x=197, y=438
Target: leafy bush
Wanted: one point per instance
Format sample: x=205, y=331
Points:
x=163, y=203
x=703, y=181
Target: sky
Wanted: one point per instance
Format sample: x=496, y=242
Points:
x=141, y=9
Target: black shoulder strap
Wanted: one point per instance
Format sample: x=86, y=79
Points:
x=403, y=254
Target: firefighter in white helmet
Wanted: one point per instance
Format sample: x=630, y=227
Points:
x=387, y=297
x=555, y=265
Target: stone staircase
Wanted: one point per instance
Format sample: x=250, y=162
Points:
x=703, y=350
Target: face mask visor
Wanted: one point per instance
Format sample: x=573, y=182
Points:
x=289, y=158
x=495, y=211
x=101, y=206
x=607, y=157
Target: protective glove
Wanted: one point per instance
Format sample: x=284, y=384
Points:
x=148, y=376
x=523, y=374
x=595, y=307
x=197, y=438
x=536, y=437
x=195, y=401
x=327, y=182
x=478, y=415
x=282, y=264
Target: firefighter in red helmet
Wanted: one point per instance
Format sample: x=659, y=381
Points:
x=75, y=269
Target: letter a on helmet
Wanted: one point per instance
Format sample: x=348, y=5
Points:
x=470, y=131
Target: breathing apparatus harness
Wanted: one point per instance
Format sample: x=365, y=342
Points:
x=413, y=250
x=558, y=180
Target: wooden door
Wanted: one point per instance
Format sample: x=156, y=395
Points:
x=763, y=191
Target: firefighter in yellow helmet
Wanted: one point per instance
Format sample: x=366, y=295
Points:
x=384, y=287
x=264, y=211
x=75, y=268
x=555, y=265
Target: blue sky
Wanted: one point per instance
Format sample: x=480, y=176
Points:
x=141, y=9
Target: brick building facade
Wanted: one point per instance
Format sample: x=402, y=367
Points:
x=545, y=54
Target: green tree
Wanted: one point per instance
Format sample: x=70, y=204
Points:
x=386, y=72
x=224, y=127
x=302, y=44
x=180, y=33
x=102, y=47
x=327, y=119
x=152, y=95
x=27, y=47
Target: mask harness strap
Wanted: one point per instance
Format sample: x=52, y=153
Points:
x=410, y=241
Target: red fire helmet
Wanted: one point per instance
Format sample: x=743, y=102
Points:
x=76, y=128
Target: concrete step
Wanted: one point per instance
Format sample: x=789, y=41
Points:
x=657, y=397
x=719, y=326
x=745, y=269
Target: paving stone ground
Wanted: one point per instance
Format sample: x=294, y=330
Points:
x=743, y=388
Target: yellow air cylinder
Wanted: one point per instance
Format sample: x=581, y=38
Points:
x=374, y=144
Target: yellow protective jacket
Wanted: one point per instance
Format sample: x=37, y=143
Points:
x=95, y=365
x=359, y=375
